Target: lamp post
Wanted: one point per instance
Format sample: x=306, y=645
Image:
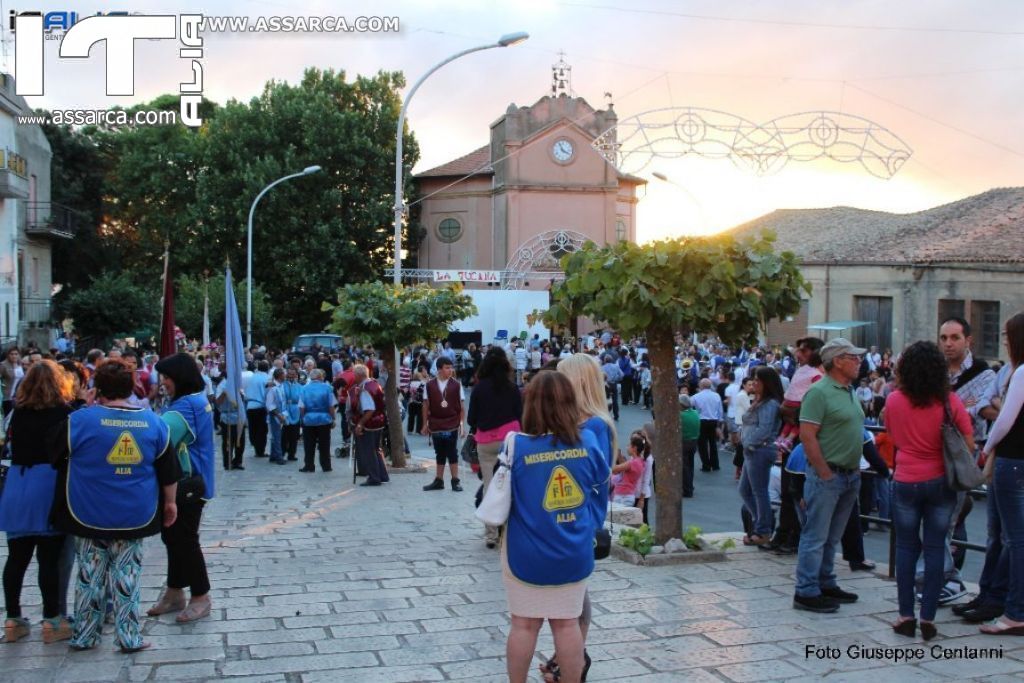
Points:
x=506, y=40
x=700, y=207
x=309, y=170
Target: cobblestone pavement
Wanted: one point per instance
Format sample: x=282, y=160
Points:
x=317, y=580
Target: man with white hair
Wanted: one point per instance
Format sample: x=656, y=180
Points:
x=709, y=405
x=366, y=414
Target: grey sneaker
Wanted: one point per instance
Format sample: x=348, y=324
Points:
x=953, y=590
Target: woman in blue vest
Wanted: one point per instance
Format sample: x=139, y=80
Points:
x=587, y=378
x=548, y=548
x=190, y=419
x=42, y=408
x=116, y=485
x=317, y=408
x=291, y=396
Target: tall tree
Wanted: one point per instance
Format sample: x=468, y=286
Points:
x=390, y=317
x=112, y=305
x=190, y=294
x=316, y=233
x=78, y=174
x=709, y=284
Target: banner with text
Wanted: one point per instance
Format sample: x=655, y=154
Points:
x=467, y=276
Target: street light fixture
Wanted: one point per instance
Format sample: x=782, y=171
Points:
x=700, y=207
x=309, y=170
x=506, y=40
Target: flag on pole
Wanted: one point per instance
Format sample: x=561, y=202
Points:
x=168, y=344
x=234, y=352
x=206, y=317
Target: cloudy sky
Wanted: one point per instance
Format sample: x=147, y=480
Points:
x=944, y=76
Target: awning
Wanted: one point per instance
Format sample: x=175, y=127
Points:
x=839, y=325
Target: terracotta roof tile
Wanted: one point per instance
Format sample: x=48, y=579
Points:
x=988, y=227
x=477, y=162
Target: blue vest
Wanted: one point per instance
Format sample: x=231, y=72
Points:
x=228, y=412
x=256, y=391
x=316, y=399
x=112, y=483
x=291, y=393
x=197, y=412
x=797, y=461
x=550, y=539
x=603, y=435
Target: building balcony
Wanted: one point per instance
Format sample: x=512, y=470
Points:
x=13, y=176
x=50, y=220
x=35, y=312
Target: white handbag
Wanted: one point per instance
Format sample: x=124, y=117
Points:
x=497, y=501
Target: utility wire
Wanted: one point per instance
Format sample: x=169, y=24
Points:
x=791, y=23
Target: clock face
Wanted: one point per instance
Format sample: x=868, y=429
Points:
x=562, y=150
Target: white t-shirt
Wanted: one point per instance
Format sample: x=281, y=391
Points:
x=520, y=355
x=730, y=396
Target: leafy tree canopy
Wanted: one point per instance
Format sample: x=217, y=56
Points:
x=143, y=185
x=112, y=305
x=708, y=284
x=386, y=316
x=389, y=317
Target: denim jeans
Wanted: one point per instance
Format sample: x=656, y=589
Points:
x=828, y=507
x=949, y=570
x=930, y=503
x=1008, y=483
x=276, y=451
x=883, y=497
x=995, y=575
x=753, y=486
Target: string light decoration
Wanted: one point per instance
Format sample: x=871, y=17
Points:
x=762, y=148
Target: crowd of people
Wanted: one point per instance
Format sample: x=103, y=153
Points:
x=819, y=434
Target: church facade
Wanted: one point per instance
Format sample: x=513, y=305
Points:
x=536, y=191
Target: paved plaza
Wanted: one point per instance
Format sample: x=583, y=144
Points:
x=317, y=580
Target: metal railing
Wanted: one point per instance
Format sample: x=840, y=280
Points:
x=51, y=219
x=881, y=521
x=35, y=311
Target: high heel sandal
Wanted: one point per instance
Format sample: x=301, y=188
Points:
x=928, y=630
x=907, y=627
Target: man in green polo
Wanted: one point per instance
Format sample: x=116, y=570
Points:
x=831, y=431
x=689, y=425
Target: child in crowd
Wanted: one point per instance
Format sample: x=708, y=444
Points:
x=644, y=489
x=866, y=398
x=632, y=470
x=806, y=375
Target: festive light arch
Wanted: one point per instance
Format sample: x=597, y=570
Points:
x=763, y=148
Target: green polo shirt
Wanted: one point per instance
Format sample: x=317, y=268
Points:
x=689, y=424
x=833, y=406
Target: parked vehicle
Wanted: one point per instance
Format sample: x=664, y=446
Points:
x=311, y=343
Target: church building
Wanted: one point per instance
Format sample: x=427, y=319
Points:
x=537, y=190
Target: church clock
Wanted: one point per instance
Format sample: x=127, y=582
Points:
x=563, y=151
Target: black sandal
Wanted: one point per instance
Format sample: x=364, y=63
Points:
x=551, y=667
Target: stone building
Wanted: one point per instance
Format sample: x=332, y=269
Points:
x=905, y=273
x=29, y=222
x=534, y=192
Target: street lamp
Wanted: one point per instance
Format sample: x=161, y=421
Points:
x=700, y=207
x=506, y=40
x=309, y=170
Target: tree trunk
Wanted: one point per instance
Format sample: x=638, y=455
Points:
x=396, y=430
x=668, y=454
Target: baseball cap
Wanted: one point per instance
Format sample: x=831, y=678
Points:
x=838, y=347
